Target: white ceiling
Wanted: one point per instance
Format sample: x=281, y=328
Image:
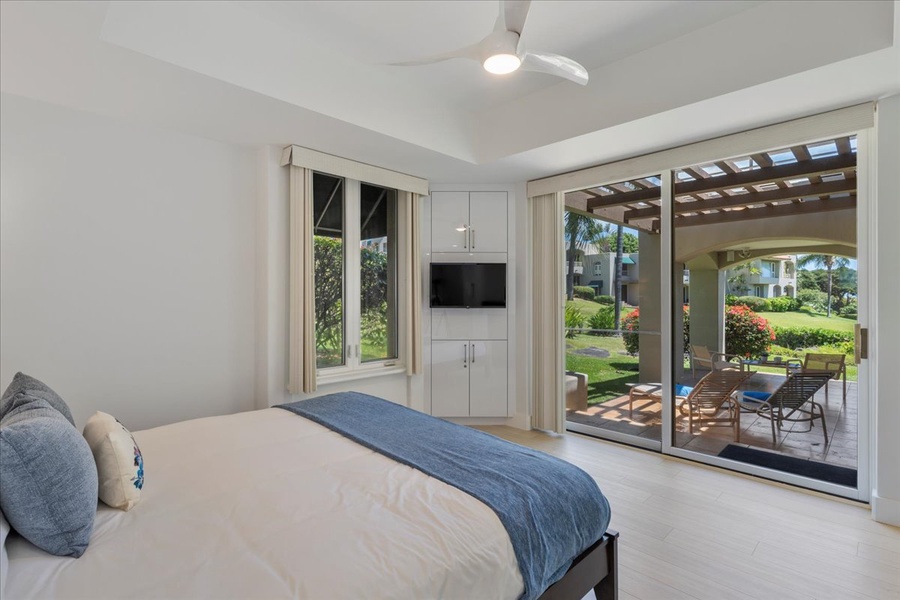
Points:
x=313, y=73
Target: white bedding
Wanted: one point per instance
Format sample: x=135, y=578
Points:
x=267, y=504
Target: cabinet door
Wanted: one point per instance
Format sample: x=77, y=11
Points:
x=450, y=378
x=490, y=219
x=449, y=221
x=487, y=378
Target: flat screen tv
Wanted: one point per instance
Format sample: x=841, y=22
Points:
x=468, y=285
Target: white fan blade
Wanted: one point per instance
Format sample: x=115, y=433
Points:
x=555, y=64
x=512, y=15
x=474, y=52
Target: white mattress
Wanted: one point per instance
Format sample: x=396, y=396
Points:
x=267, y=504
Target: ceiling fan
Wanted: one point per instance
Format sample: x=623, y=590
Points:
x=501, y=52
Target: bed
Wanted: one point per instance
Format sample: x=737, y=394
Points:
x=272, y=504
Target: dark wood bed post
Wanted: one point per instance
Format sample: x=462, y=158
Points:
x=596, y=568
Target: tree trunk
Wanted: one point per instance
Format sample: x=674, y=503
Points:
x=570, y=273
x=618, y=276
x=828, y=297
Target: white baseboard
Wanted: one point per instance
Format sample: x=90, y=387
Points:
x=885, y=510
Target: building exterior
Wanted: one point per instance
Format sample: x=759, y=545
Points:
x=768, y=277
x=596, y=270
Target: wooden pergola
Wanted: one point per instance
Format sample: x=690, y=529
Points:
x=803, y=179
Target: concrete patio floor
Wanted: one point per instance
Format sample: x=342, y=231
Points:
x=794, y=440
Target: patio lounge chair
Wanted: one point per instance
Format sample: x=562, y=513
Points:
x=835, y=363
x=701, y=356
x=790, y=397
x=711, y=396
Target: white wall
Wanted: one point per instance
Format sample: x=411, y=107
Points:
x=126, y=265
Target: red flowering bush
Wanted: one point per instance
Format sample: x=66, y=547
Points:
x=631, y=322
x=746, y=333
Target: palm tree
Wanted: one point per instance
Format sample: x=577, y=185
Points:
x=827, y=261
x=580, y=232
x=620, y=240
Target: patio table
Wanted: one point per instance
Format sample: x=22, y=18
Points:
x=791, y=364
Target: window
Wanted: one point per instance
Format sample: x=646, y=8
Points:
x=769, y=268
x=355, y=262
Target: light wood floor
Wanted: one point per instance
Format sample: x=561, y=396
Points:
x=694, y=532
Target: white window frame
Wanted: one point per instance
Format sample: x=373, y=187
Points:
x=353, y=367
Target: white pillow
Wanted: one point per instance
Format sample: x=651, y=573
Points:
x=120, y=466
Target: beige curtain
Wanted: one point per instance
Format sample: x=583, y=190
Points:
x=413, y=266
x=547, y=348
x=302, y=318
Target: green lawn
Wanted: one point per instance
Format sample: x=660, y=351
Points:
x=808, y=319
x=606, y=376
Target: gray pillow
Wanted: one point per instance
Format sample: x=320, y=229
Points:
x=25, y=384
x=49, y=490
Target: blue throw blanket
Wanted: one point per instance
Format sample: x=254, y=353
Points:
x=552, y=510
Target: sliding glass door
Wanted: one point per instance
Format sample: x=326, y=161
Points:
x=613, y=313
x=712, y=309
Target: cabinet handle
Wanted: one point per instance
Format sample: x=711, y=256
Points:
x=465, y=356
x=465, y=236
x=473, y=347
x=472, y=229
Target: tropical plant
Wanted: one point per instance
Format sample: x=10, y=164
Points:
x=575, y=319
x=603, y=319
x=737, y=281
x=829, y=262
x=580, y=231
x=746, y=333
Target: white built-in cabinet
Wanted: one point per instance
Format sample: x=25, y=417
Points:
x=469, y=368
x=468, y=378
x=469, y=221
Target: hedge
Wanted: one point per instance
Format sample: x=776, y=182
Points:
x=783, y=304
x=605, y=299
x=585, y=292
x=810, y=337
x=752, y=302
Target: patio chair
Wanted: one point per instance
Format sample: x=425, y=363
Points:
x=798, y=388
x=701, y=356
x=712, y=395
x=835, y=363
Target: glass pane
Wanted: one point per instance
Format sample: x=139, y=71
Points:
x=378, y=273
x=613, y=342
x=765, y=259
x=328, y=239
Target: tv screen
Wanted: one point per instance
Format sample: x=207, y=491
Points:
x=468, y=285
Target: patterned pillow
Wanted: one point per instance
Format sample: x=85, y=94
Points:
x=120, y=466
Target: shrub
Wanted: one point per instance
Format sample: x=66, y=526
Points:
x=604, y=299
x=746, y=333
x=730, y=299
x=574, y=319
x=810, y=337
x=814, y=299
x=604, y=318
x=783, y=304
x=752, y=302
x=849, y=310
x=631, y=322
x=584, y=292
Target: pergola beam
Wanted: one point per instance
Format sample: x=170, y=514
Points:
x=791, y=193
x=768, y=212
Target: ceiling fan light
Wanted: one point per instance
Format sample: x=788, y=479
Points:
x=501, y=64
